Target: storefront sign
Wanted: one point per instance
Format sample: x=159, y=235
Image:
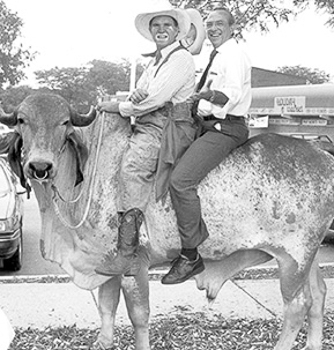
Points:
x=290, y=105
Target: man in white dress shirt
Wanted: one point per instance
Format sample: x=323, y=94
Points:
x=222, y=102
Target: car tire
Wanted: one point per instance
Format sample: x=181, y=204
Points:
x=14, y=263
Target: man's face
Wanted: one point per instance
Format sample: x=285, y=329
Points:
x=164, y=31
x=218, y=28
x=190, y=38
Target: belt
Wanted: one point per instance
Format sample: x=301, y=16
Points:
x=228, y=117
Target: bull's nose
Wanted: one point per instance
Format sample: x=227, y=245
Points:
x=40, y=171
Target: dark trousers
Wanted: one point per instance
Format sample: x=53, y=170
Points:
x=202, y=156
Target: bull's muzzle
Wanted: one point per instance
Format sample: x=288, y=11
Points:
x=40, y=170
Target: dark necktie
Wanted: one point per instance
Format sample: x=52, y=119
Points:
x=202, y=82
x=205, y=73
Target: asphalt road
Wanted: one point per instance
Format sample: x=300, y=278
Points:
x=33, y=263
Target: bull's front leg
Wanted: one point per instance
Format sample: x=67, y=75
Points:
x=136, y=295
x=108, y=298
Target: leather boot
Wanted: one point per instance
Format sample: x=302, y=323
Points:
x=126, y=262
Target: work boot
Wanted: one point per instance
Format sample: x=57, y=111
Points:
x=126, y=262
x=182, y=269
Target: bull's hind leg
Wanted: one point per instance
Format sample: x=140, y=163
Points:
x=108, y=296
x=296, y=299
x=136, y=294
x=317, y=294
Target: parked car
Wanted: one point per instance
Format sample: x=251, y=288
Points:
x=11, y=216
x=4, y=129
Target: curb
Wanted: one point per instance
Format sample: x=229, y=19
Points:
x=35, y=279
x=256, y=272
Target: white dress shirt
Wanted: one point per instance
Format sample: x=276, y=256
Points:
x=230, y=73
x=174, y=82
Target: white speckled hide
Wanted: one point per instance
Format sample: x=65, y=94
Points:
x=274, y=194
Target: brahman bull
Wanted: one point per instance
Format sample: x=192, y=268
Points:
x=273, y=197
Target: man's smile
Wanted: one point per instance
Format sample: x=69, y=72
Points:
x=214, y=35
x=162, y=36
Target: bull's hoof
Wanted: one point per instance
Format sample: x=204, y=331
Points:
x=98, y=346
x=102, y=344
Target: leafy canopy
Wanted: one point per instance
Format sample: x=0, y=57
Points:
x=82, y=86
x=249, y=14
x=13, y=56
x=323, y=6
x=259, y=14
x=313, y=76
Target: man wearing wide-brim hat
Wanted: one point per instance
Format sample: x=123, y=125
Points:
x=157, y=141
x=195, y=37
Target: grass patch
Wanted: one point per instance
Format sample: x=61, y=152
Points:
x=177, y=331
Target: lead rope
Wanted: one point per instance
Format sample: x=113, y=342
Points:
x=253, y=298
x=57, y=195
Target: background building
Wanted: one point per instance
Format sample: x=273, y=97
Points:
x=264, y=77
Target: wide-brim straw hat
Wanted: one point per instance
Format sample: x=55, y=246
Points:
x=142, y=22
x=194, y=39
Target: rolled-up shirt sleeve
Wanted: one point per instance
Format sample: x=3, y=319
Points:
x=168, y=85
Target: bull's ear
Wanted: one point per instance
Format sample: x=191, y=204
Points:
x=81, y=155
x=15, y=160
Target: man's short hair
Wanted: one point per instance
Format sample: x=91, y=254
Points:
x=231, y=19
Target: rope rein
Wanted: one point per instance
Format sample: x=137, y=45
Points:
x=253, y=298
x=57, y=196
x=56, y=192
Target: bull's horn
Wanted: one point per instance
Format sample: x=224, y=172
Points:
x=8, y=119
x=78, y=119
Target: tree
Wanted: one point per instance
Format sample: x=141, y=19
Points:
x=258, y=14
x=249, y=14
x=70, y=83
x=13, y=57
x=13, y=96
x=82, y=86
x=313, y=76
x=109, y=77
x=326, y=6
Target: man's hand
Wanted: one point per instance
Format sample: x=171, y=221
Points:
x=205, y=93
x=110, y=107
x=138, y=95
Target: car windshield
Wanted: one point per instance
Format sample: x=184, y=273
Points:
x=3, y=181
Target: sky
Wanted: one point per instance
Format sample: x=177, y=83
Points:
x=70, y=33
